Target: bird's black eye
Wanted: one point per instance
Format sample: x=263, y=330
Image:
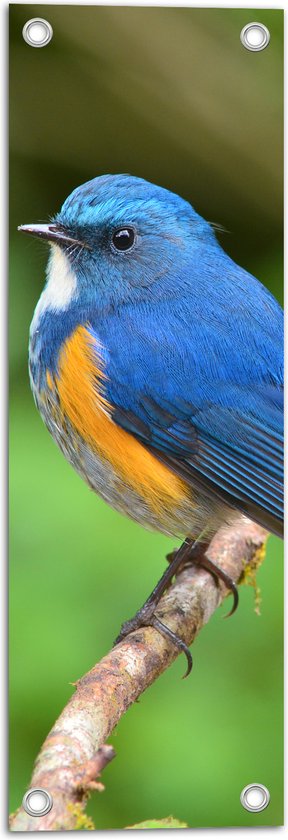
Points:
x=123, y=239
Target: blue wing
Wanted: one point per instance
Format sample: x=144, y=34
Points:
x=204, y=391
x=246, y=474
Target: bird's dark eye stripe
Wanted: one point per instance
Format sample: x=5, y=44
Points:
x=123, y=239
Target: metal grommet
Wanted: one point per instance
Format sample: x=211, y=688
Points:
x=255, y=36
x=255, y=797
x=37, y=802
x=37, y=32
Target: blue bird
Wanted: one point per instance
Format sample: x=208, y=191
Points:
x=156, y=363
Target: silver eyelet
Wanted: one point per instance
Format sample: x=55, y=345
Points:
x=255, y=797
x=255, y=36
x=37, y=802
x=37, y=32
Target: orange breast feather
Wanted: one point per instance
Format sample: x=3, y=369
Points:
x=80, y=388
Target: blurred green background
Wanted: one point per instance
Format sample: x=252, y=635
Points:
x=172, y=96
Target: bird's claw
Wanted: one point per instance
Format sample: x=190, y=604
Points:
x=145, y=617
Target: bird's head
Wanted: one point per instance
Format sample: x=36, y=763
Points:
x=117, y=239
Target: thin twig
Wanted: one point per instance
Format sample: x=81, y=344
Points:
x=73, y=754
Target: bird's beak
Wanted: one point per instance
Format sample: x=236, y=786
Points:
x=52, y=233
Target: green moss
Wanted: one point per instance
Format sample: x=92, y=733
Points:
x=82, y=821
x=249, y=573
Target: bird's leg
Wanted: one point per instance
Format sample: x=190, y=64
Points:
x=146, y=615
x=198, y=556
x=190, y=552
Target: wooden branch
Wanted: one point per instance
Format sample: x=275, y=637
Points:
x=73, y=754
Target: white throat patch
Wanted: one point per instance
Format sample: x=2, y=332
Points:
x=60, y=288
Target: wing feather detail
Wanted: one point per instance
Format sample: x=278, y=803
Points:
x=248, y=477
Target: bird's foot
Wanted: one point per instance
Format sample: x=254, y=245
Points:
x=142, y=618
x=199, y=557
x=146, y=617
x=188, y=554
